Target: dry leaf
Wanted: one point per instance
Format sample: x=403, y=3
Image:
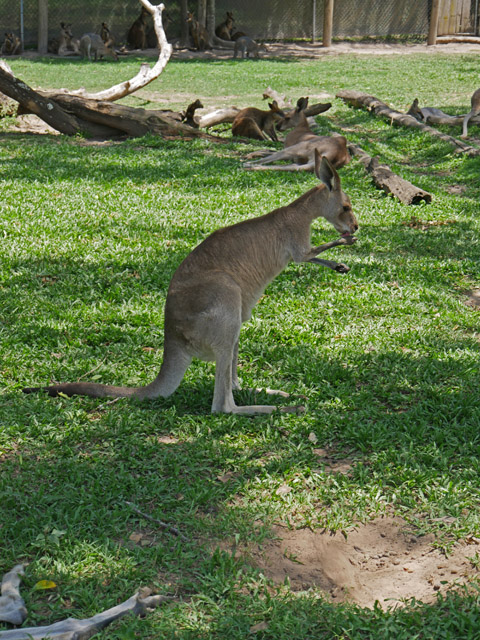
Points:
x=312, y=437
x=44, y=584
x=260, y=626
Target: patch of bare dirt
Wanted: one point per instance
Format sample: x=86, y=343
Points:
x=473, y=299
x=316, y=50
x=379, y=561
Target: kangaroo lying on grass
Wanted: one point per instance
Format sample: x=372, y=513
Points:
x=215, y=288
x=301, y=145
x=255, y=123
x=423, y=113
x=474, y=112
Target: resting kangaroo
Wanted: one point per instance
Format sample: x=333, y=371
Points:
x=215, y=288
x=424, y=113
x=302, y=143
x=224, y=30
x=255, y=123
x=91, y=44
x=474, y=112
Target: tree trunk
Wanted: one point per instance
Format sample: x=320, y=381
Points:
x=184, y=36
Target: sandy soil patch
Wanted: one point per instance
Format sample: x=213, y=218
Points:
x=379, y=561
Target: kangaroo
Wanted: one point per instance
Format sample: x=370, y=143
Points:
x=105, y=33
x=215, y=288
x=67, y=43
x=91, y=44
x=137, y=34
x=301, y=145
x=188, y=116
x=424, y=113
x=11, y=45
x=198, y=33
x=474, y=112
x=248, y=47
x=255, y=123
x=224, y=30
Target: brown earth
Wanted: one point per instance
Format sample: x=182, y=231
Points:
x=380, y=561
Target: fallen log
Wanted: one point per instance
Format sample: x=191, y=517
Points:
x=358, y=99
x=390, y=182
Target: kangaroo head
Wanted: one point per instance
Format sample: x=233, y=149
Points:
x=338, y=210
x=277, y=113
x=294, y=117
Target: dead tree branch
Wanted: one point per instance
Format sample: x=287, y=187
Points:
x=163, y=525
x=363, y=100
x=12, y=605
x=71, y=629
x=390, y=182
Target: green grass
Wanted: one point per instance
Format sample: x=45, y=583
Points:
x=388, y=357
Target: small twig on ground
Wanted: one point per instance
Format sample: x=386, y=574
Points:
x=163, y=525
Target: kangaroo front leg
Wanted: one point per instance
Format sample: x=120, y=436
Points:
x=330, y=264
x=344, y=240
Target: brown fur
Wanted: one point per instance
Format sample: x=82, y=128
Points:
x=474, y=112
x=137, y=34
x=198, y=33
x=188, y=117
x=11, y=45
x=302, y=143
x=255, y=123
x=215, y=288
x=67, y=43
x=224, y=29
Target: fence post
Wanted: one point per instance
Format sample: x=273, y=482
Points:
x=314, y=20
x=42, y=26
x=433, y=27
x=327, y=23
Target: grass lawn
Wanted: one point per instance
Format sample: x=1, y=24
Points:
x=388, y=357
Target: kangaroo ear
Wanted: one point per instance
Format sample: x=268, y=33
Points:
x=302, y=104
x=325, y=172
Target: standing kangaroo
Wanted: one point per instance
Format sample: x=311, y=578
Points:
x=247, y=47
x=255, y=123
x=474, y=112
x=137, y=34
x=215, y=288
x=301, y=145
x=198, y=33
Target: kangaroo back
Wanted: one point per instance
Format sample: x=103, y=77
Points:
x=255, y=123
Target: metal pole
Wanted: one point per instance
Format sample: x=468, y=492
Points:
x=21, y=24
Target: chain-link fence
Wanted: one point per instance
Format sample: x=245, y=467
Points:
x=266, y=20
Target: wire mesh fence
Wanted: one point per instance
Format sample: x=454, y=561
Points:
x=267, y=20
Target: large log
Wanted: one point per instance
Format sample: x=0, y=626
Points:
x=390, y=182
x=365, y=101
x=46, y=109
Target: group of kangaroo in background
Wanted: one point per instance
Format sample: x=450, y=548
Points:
x=140, y=35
